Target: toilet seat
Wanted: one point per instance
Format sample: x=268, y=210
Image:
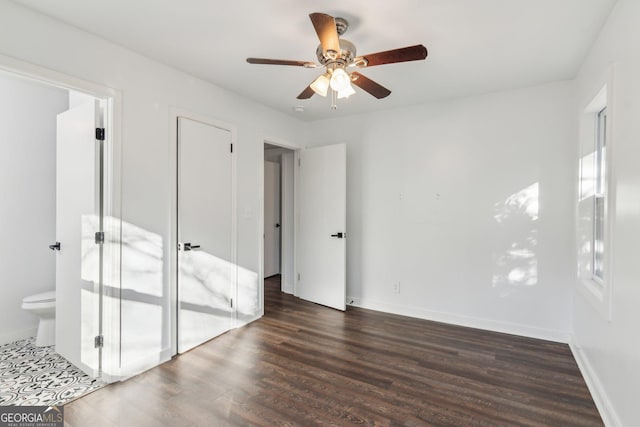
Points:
x=43, y=305
x=40, y=298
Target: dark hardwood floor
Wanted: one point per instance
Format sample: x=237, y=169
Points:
x=303, y=364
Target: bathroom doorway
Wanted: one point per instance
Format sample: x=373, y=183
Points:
x=58, y=210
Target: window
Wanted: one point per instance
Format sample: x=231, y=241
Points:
x=596, y=202
x=600, y=194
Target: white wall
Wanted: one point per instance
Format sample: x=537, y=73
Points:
x=149, y=89
x=609, y=351
x=468, y=204
x=28, y=190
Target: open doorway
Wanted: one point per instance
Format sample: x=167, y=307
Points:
x=308, y=222
x=57, y=141
x=279, y=215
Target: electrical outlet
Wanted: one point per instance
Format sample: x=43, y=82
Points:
x=396, y=288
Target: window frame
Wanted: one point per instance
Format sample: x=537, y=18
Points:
x=597, y=291
x=599, y=218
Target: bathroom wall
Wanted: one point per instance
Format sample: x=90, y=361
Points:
x=27, y=191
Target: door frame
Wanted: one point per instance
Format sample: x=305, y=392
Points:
x=112, y=196
x=295, y=148
x=174, y=114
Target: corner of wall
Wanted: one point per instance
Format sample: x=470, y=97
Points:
x=598, y=393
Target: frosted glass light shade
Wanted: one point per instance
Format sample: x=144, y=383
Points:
x=321, y=85
x=346, y=92
x=339, y=79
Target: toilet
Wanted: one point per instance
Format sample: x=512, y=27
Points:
x=44, y=306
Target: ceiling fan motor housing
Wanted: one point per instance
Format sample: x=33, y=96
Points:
x=347, y=54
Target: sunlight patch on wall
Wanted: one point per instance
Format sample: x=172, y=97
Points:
x=248, y=294
x=517, y=265
x=144, y=320
x=524, y=202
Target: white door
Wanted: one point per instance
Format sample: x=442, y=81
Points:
x=322, y=208
x=205, y=266
x=77, y=220
x=271, y=219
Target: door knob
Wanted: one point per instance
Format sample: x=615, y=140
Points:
x=277, y=225
x=188, y=247
x=338, y=235
x=55, y=247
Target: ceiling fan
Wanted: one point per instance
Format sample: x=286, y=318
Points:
x=338, y=57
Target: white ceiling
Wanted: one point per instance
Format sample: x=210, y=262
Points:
x=475, y=46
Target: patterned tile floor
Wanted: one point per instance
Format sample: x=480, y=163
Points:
x=31, y=375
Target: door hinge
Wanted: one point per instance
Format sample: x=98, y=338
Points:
x=98, y=341
x=231, y=301
x=231, y=147
x=298, y=276
x=99, y=237
x=298, y=161
x=100, y=134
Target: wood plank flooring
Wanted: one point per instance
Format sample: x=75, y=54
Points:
x=303, y=364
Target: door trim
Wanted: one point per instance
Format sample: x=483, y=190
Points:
x=112, y=116
x=174, y=114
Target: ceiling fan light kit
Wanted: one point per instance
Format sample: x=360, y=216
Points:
x=340, y=80
x=321, y=84
x=338, y=56
x=346, y=92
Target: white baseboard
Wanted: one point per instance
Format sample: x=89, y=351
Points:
x=93, y=373
x=598, y=393
x=111, y=378
x=22, y=334
x=461, y=320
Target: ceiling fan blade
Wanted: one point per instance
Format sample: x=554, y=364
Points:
x=266, y=61
x=411, y=53
x=306, y=94
x=370, y=86
x=325, y=26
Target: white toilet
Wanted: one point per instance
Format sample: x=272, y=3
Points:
x=44, y=306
